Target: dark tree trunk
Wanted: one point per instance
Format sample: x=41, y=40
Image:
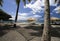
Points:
x=46, y=30
x=16, y=15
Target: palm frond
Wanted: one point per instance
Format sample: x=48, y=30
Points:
x=24, y=1
x=29, y=0
x=1, y=1
x=55, y=1
x=0, y=4
x=17, y=2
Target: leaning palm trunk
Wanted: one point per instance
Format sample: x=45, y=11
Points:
x=46, y=30
x=17, y=2
x=16, y=15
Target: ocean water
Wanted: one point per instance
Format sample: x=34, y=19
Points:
x=23, y=21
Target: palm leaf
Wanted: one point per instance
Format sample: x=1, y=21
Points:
x=1, y=1
x=29, y=0
x=55, y=1
x=58, y=1
x=17, y=2
x=24, y=1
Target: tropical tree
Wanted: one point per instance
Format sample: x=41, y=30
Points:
x=18, y=3
x=1, y=1
x=46, y=31
x=4, y=15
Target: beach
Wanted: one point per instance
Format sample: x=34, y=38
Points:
x=26, y=32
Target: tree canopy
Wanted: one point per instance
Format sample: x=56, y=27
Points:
x=4, y=15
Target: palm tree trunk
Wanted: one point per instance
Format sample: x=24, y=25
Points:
x=16, y=15
x=46, y=30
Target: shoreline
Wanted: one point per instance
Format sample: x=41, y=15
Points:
x=24, y=24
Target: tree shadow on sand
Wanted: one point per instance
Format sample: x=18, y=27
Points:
x=2, y=33
x=5, y=29
x=36, y=28
x=55, y=32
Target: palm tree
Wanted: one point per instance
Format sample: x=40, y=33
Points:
x=1, y=1
x=46, y=30
x=18, y=3
x=47, y=27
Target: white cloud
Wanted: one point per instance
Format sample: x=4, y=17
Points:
x=25, y=18
x=57, y=9
x=19, y=17
x=22, y=14
x=36, y=6
x=22, y=18
x=52, y=3
x=36, y=16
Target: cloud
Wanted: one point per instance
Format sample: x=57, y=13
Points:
x=52, y=2
x=36, y=6
x=36, y=16
x=57, y=9
x=21, y=16
x=24, y=16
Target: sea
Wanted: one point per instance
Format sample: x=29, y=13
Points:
x=24, y=21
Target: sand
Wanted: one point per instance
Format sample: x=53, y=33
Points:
x=31, y=33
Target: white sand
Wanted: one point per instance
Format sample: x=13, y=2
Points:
x=12, y=36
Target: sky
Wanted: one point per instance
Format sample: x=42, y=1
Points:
x=34, y=9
